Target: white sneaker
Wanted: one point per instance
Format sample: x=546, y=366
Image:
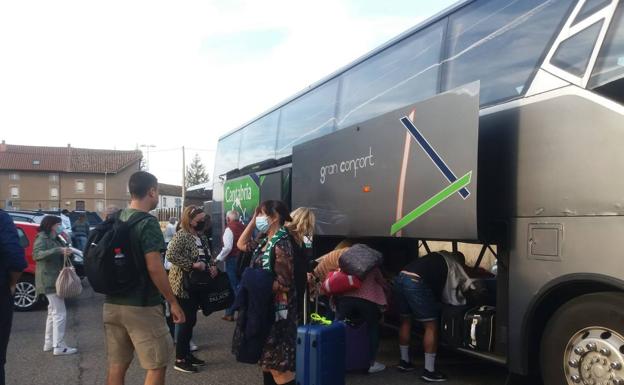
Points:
x=193, y=347
x=376, y=367
x=63, y=351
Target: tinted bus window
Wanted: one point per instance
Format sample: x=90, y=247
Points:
x=501, y=43
x=227, y=153
x=402, y=74
x=573, y=53
x=258, y=141
x=307, y=117
x=589, y=8
x=610, y=64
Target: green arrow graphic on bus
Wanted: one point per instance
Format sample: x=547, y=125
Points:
x=432, y=202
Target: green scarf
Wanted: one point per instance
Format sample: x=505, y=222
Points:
x=268, y=254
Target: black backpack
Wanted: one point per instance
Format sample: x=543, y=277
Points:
x=104, y=275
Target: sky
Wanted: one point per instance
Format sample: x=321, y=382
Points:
x=125, y=73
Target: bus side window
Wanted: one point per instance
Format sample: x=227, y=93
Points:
x=608, y=75
x=500, y=43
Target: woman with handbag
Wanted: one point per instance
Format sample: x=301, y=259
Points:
x=274, y=253
x=189, y=255
x=50, y=255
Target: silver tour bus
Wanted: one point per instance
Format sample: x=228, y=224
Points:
x=496, y=123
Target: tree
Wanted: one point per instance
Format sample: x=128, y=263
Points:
x=196, y=172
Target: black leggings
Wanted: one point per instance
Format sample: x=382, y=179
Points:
x=189, y=306
x=359, y=309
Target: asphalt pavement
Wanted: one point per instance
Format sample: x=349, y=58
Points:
x=29, y=365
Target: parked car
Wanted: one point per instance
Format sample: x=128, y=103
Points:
x=26, y=216
x=25, y=290
x=92, y=217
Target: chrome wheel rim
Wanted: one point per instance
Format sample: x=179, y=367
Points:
x=25, y=295
x=595, y=356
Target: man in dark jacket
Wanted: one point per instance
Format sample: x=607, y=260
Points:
x=12, y=263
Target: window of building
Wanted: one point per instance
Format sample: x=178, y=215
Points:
x=164, y=202
x=99, y=187
x=14, y=176
x=54, y=193
x=80, y=185
x=15, y=193
x=54, y=178
x=99, y=206
x=573, y=53
x=54, y=208
x=80, y=206
x=178, y=202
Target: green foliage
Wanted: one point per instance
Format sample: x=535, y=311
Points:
x=196, y=172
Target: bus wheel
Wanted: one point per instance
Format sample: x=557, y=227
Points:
x=583, y=342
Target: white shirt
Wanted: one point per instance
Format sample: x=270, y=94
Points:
x=228, y=244
x=170, y=231
x=66, y=223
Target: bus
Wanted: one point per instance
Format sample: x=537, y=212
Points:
x=530, y=171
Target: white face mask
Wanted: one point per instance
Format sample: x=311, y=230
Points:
x=57, y=229
x=262, y=224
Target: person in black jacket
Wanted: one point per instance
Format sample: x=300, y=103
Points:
x=12, y=263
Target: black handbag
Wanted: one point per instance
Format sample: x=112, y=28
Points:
x=218, y=295
x=196, y=280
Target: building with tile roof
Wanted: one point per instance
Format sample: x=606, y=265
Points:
x=50, y=178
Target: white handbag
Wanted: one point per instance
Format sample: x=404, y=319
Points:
x=68, y=284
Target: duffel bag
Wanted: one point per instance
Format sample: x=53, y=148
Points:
x=338, y=282
x=359, y=260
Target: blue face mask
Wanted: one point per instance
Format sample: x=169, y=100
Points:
x=262, y=224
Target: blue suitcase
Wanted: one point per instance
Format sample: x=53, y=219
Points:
x=321, y=351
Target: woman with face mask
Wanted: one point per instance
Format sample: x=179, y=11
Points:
x=49, y=252
x=187, y=251
x=274, y=253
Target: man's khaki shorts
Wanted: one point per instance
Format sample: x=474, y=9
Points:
x=141, y=329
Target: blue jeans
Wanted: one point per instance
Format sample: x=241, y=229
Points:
x=415, y=297
x=81, y=242
x=231, y=264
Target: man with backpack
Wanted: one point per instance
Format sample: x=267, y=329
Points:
x=124, y=261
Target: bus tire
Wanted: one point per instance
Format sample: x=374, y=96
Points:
x=583, y=342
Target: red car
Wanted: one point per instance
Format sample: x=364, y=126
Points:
x=25, y=297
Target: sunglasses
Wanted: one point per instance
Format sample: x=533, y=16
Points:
x=196, y=211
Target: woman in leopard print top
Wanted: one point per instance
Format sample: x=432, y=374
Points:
x=188, y=250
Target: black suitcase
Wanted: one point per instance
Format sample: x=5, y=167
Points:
x=479, y=326
x=452, y=325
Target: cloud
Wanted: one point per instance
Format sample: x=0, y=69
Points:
x=120, y=73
